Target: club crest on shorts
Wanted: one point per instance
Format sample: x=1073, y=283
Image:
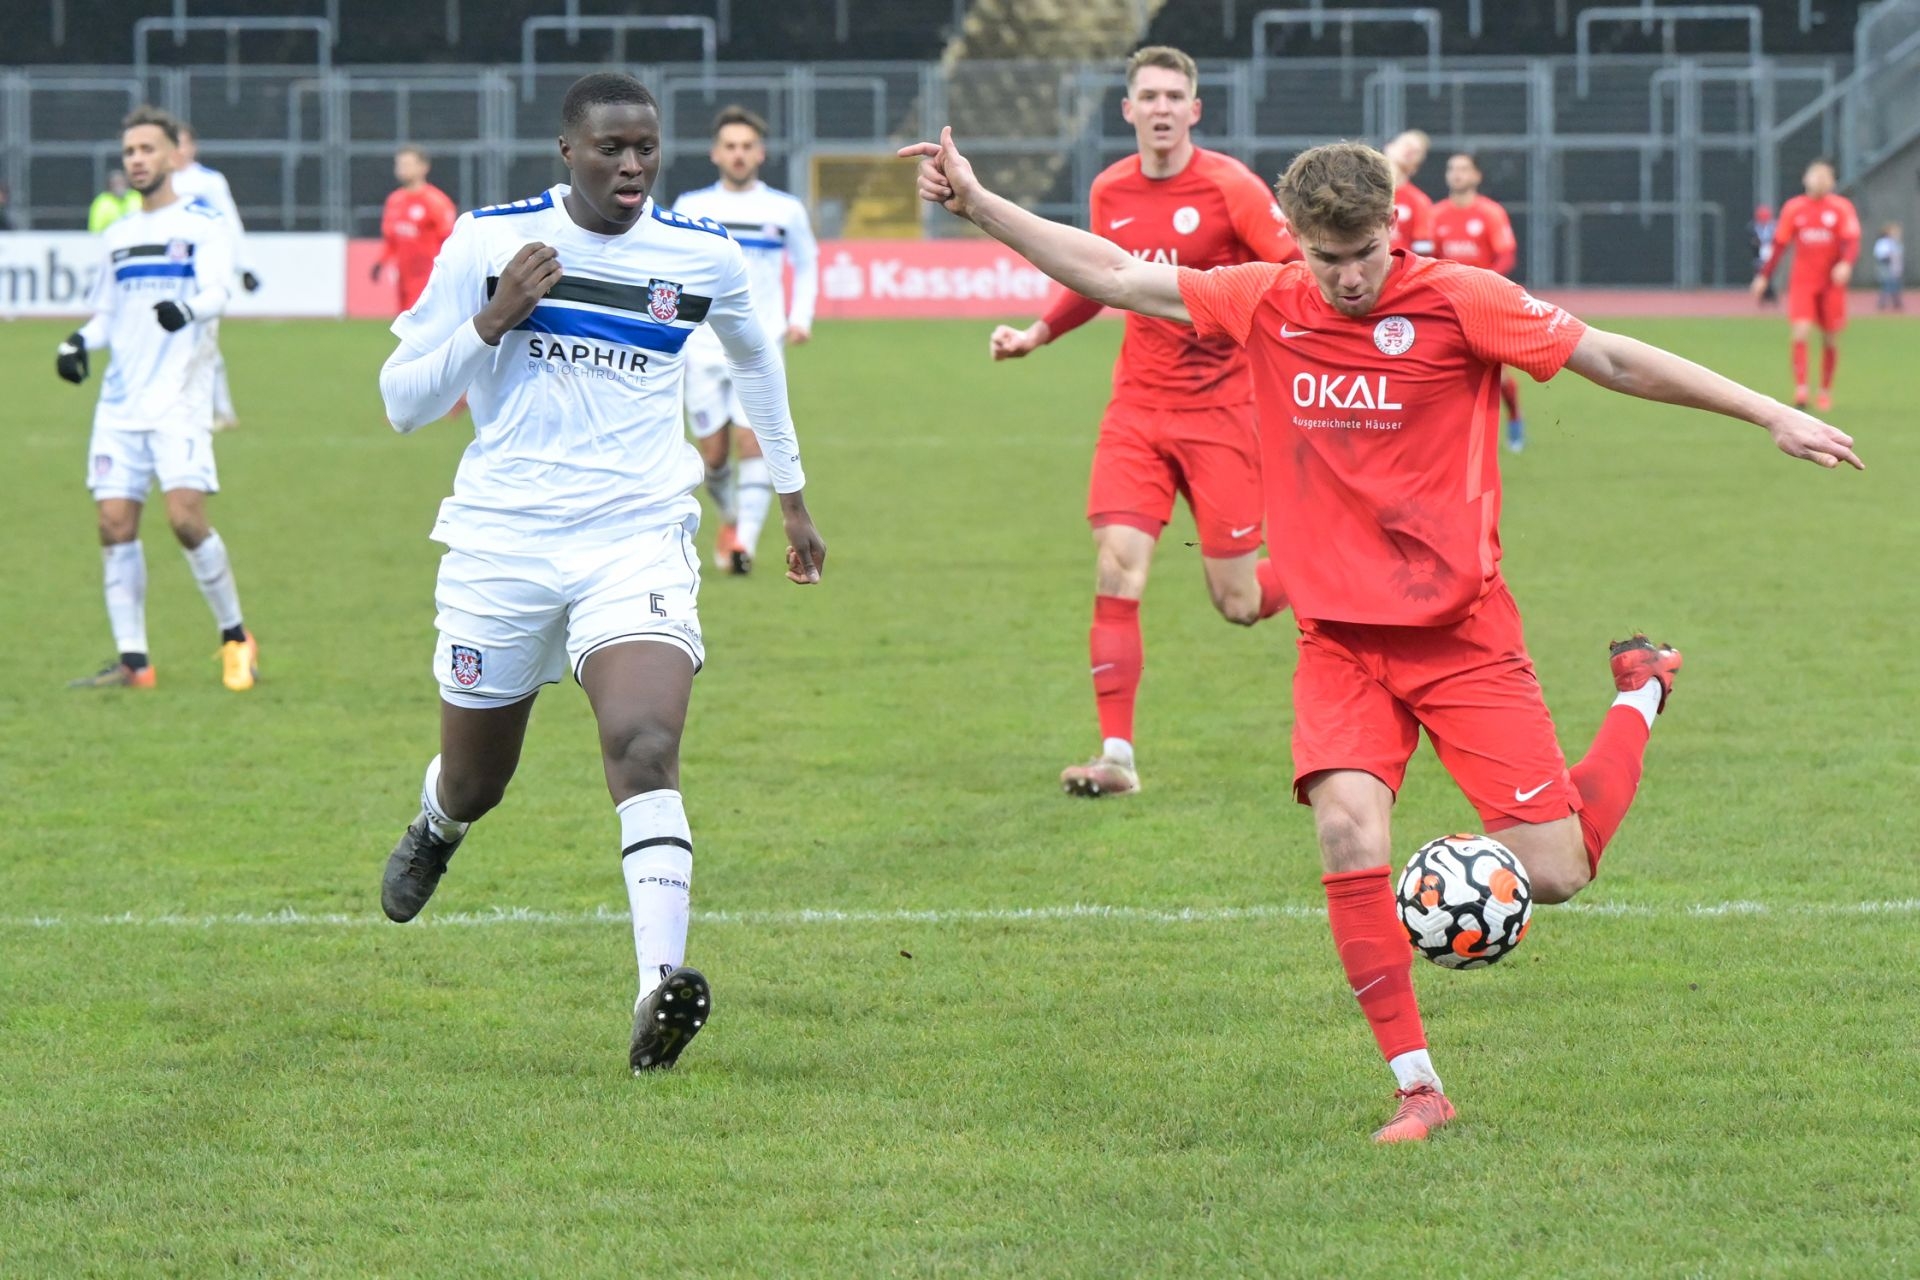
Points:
x=102, y=465
x=466, y=666
x=1394, y=335
x=663, y=300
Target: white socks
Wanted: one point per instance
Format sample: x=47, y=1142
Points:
x=1118, y=750
x=752, y=497
x=443, y=826
x=656, y=857
x=222, y=393
x=125, y=566
x=1415, y=1068
x=1645, y=700
x=215, y=576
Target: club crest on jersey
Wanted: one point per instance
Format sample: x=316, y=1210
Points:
x=663, y=300
x=178, y=251
x=466, y=666
x=1186, y=219
x=1394, y=335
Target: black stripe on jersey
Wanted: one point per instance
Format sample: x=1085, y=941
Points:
x=149, y=251
x=621, y=297
x=758, y=230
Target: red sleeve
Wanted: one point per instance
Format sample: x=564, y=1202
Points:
x=387, y=222
x=1506, y=250
x=1504, y=324
x=1782, y=236
x=1222, y=301
x=1422, y=229
x=449, y=214
x=1256, y=217
x=1068, y=311
x=1849, y=236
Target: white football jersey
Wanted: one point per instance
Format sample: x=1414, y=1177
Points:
x=160, y=381
x=576, y=416
x=771, y=227
x=211, y=185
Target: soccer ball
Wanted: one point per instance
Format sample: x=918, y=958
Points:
x=1465, y=901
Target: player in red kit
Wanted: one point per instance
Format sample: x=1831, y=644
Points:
x=1412, y=207
x=1471, y=228
x=1824, y=230
x=1374, y=376
x=418, y=217
x=1181, y=417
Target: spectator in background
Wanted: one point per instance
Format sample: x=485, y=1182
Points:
x=1760, y=240
x=1890, y=261
x=418, y=217
x=113, y=204
x=6, y=210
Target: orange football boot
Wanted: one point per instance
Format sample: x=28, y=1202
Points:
x=1423, y=1109
x=116, y=675
x=1637, y=660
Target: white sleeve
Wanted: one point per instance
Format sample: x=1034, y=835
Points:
x=804, y=252
x=759, y=378
x=423, y=386
x=97, y=331
x=213, y=270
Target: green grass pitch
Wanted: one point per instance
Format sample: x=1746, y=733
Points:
x=216, y=1059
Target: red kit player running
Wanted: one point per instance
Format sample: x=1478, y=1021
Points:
x=1471, y=228
x=417, y=219
x=1824, y=230
x=1181, y=418
x=1374, y=374
x=1412, y=207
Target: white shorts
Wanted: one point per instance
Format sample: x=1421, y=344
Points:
x=510, y=623
x=711, y=400
x=125, y=464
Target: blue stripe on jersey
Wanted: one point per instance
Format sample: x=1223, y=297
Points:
x=758, y=242
x=131, y=270
x=542, y=201
x=629, y=331
x=674, y=218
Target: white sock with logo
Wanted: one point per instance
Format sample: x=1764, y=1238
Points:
x=1645, y=700
x=214, y=573
x=125, y=568
x=753, y=496
x=656, y=858
x=436, y=814
x=1415, y=1068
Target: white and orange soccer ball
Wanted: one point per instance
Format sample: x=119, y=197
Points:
x=1465, y=901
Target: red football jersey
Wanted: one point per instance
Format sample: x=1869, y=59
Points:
x=1380, y=436
x=1823, y=233
x=1477, y=233
x=1213, y=213
x=415, y=223
x=1412, y=219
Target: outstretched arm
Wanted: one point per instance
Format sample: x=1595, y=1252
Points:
x=1623, y=364
x=1094, y=268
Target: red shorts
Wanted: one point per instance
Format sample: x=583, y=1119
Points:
x=1361, y=695
x=1211, y=456
x=1824, y=307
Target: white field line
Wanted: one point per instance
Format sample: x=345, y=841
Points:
x=496, y=916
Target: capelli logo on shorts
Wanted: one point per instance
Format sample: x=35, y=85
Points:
x=466, y=666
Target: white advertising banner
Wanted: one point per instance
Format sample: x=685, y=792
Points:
x=51, y=274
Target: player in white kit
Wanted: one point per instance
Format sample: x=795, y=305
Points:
x=193, y=179
x=772, y=228
x=570, y=532
x=166, y=275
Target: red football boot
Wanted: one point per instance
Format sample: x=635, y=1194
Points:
x=1423, y=1109
x=1637, y=660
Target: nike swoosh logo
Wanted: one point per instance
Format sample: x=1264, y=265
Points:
x=1293, y=333
x=1360, y=991
x=1105, y=666
x=1241, y=533
x=1524, y=796
x=1118, y=223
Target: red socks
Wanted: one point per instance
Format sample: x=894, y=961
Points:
x=1114, y=644
x=1510, y=395
x=1273, y=597
x=1378, y=958
x=1607, y=777
x=1829, y=359
x=1799, y=364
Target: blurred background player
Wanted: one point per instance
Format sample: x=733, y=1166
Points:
x=1412, y=207
x=1760, y=240
x=771, y=227
x=1471, y=228
x=113, y=204
x=1181, y=417
x=417, y=219
x=166, y=273
x=1824, y=231
x=190, y=180
x=1890, y=262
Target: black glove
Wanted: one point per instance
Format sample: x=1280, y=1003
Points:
x=250, y=282
x=375, y=275
x=71, y=360
x=173, y=316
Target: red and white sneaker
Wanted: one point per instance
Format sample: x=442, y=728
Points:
x=1637, y=660
x=1423, y=1109
x=726, y=542
x=1099, y=777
